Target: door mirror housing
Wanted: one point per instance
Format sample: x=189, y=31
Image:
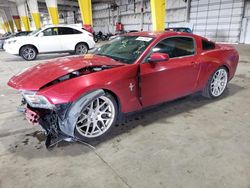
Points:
x=40, y=34
x=158, y=57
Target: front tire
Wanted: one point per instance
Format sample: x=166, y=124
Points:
x=97, y=119
x=81, y=49
x=28, y=53
x=217, y=84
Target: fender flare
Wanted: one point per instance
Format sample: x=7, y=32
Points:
x=68, y=123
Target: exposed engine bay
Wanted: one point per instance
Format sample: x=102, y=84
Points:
x=74, y=74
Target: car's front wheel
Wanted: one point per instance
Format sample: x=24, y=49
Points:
x=97, y=119
x=81, y=49
x=216, y=84
x=28, y=53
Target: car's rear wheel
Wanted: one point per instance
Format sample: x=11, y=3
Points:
x=81, y=49
x=28, y=53
x=216, y=84
x=97, y=119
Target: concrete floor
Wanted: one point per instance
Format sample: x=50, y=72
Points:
x=192, y=142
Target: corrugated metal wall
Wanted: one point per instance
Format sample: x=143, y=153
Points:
x=247, y=9
x=130, y=11
x=219, y=20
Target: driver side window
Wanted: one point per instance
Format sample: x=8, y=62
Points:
x=176, y=46
x=50, y=31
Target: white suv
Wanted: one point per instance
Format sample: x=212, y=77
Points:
x=52, y=39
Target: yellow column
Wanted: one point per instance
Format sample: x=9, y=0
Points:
x=15, y=16
x=17, y=22
x=7, y=27
x=53, y=12
x=3, y=26
x=86, y=13
x=36, y=18
x=158, y=12
x=8, y=17
x=23, y=12
x=33, y=6
x=11, y=24
x=26, y=22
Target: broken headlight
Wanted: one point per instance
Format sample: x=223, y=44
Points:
x=37, y=101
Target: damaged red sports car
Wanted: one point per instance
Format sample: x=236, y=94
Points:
x=82, y=97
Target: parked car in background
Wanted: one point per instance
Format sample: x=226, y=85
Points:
x=3, y=38
x=22, y=33
x=10, y=35
x=82, y=97
x=179, y=29
x=51, y=39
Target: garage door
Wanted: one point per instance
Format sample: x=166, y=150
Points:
x=247, y=37
x=219, y=20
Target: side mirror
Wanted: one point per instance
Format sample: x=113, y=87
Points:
x=40, y=34
x=158, y=57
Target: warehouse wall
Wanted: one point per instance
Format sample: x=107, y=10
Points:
x=130, y=11
x=245, y=26
x=218, y=20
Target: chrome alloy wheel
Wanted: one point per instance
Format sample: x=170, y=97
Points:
x=96, y=118
x=81, y=49
x=219, y=82
x=29, y=53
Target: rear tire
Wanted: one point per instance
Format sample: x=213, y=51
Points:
x=217, y=84
x=81, y=49
x=97, y=119
x=28, y=53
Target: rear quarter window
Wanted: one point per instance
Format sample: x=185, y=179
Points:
x=207, y=45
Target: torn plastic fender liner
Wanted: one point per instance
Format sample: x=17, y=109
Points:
x=67, y=125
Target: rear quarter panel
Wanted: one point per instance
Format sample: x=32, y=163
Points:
x=223, y=55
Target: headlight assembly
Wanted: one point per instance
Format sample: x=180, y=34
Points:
x=37, y=101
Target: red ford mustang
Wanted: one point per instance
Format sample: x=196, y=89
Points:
x=82, y=97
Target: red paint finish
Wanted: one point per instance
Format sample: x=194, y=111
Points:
x=151, y=83
x=168, y=79
x=36, y=77
x=89, y=28
x=158, y=57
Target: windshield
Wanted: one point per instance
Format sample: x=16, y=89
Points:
x=34, y=32
x=125, y=48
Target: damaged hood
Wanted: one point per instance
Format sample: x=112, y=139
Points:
x=36, y=77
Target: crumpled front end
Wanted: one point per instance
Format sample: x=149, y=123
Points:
x=58, y=122
x=57, y=91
